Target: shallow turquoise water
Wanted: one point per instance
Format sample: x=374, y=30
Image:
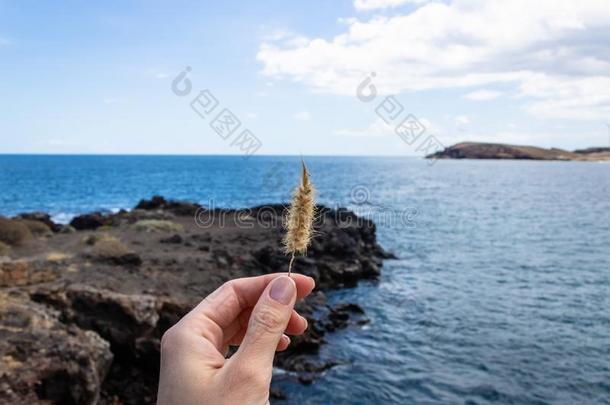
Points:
x=500, y=293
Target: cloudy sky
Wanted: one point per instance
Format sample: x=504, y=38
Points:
x=96, y=77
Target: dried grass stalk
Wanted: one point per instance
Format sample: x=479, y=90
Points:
x=299, y=222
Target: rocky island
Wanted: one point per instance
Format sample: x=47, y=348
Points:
x=475, y=150
x=83, y=306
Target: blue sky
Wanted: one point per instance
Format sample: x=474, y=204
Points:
x=95, y=77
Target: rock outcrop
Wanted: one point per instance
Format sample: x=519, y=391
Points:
x=42, y=217
x=44, y=360
x=88, y=221
x=23, y=272
x=91, y=328
x=475, y=150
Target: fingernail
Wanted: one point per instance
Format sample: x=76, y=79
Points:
x=282, y=290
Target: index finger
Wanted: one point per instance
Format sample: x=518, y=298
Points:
x=225, y=304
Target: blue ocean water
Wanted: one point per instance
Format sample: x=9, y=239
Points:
x=501, y=292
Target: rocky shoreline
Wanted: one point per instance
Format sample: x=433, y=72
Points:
x=83, y=307
x=476, y=150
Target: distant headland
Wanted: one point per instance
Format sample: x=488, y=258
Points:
x=476, y=150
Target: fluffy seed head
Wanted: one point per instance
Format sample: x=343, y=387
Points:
x=299, y=222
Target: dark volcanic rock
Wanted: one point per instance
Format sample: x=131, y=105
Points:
x=126, y=298
x=118, y=318
x=88, y=221
x=341, y=274
x=128, y=259
x=175, y=239
x=22, y=273
x=275, y=393
x=300, y=356
x=370, y=269
x=313, y=338
x=42, y=217
x=344, y=315
x=180, y=208
x=42, y=360
x=155, y=203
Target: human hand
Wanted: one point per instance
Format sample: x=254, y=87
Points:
x=253, y=313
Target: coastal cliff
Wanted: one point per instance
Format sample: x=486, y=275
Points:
x=83, y=307
x=475, y=150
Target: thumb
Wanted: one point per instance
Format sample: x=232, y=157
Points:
x=267, y=323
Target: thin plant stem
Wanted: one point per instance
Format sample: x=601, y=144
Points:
x=290, y=264
x=299, y=221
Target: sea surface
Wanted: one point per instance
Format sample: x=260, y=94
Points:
x=500, y=293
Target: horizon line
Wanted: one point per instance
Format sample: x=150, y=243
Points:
x=196, y=155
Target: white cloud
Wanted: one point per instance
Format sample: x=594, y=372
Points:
x=579, y=98
x=251, y=115
x=302, y=116
x=483, y=95
x=462, y=44
x=285, y=38
x=161, y=75
x=366, y=5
